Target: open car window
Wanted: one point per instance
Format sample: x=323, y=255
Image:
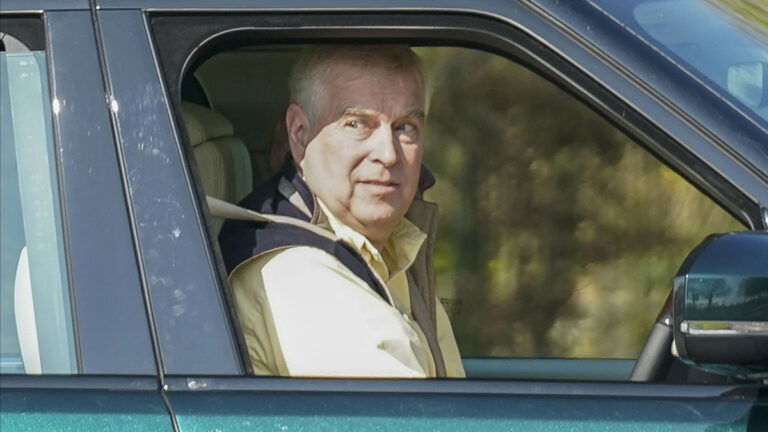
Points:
x=559, y=235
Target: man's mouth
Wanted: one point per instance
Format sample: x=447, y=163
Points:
x=380, y=185
x=379, y=182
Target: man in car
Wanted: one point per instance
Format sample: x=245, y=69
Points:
x=347, y=290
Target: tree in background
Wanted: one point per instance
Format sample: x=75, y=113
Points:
x=559, y=236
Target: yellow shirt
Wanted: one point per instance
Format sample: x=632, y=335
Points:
x=303, y=313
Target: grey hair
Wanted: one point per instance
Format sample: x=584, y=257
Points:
x=315, y=65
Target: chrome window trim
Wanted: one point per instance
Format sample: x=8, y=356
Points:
x=724, y=328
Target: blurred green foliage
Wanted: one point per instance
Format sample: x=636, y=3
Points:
x=559, y=236
x=753, y=12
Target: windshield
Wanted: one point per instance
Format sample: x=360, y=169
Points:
x=724, y=43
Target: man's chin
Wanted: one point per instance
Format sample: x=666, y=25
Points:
x=379, y=215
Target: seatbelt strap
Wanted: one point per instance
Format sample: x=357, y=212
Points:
x=225, y=210
x=324, y=240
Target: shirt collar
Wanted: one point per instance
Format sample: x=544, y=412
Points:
x=399, y=251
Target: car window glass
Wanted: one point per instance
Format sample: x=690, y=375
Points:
x=723, y=42
x=36, y=335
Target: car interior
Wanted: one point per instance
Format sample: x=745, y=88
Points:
x=238, y=142
x=233, y=103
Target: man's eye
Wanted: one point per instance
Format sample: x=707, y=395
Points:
x=354, y=124
x=406, y=127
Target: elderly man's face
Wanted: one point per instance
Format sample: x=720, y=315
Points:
x=362, y=155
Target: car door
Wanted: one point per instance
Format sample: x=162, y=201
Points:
x=76, y=345
x=203, y=363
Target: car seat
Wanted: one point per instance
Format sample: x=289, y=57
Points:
x=222, y=158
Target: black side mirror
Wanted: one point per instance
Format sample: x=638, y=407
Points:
x=720, y=312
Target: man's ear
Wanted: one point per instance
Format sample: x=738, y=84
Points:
x=297, y=126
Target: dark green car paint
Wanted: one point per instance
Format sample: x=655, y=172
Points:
x=81, y=410
x=398, y=412
x=38, y=410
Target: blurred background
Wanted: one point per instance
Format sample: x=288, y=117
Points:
x=558, y=236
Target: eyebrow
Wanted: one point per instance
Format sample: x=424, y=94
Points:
x=418, y=113
x=357, y=111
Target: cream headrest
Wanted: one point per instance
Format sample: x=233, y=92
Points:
x=204, y=124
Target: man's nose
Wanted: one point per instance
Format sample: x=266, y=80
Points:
x=384, y=146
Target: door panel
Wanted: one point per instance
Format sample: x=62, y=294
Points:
x=318, y=411
x=82, y=410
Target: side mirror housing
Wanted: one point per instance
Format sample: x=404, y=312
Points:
x=720, y=312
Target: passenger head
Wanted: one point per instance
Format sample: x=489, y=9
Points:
x=355, y=130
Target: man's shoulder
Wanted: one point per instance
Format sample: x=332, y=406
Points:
x=291, y=260
x=244, y=240
x=292, y=249
x=300, y=271
x=295, y=272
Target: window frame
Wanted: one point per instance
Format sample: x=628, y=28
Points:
x=93, y=210
x=109, y=284
x=576, y=76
